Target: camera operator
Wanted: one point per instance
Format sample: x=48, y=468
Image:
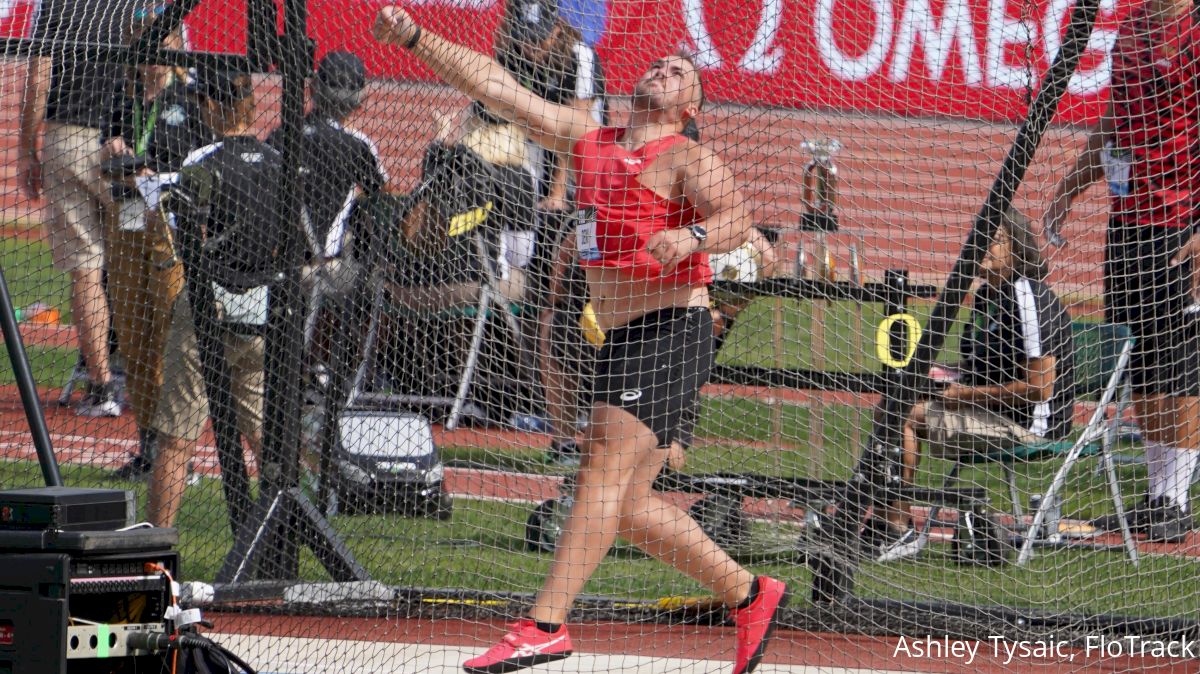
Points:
x=229, y=190
x=155, y=125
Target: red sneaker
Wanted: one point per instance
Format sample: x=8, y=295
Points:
x=525, y=646
x=756, y=623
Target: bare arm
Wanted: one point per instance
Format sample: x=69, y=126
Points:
x=480, y=77
x=1086, y=171
x=556, y=196
x=33, y=113
x=1036, y=387
x=557, y=290
x=709, y=186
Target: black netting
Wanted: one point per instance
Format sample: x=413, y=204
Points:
x=399, y=315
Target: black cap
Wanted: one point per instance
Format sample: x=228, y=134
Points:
x=221, y=85
x=342, y=71
x=532, y=21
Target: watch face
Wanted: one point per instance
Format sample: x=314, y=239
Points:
x=699, y=232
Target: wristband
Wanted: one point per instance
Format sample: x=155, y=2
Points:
x=412, y=41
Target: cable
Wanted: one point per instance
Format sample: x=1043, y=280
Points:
x=155, y=566
x=155, y=642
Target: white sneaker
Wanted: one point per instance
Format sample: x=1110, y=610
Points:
x=100, y=401
x=907, y=544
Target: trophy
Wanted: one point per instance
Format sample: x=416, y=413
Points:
x=820, y=200
x=820, y=186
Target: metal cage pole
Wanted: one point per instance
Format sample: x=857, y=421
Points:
x=19, y=359
x=285, y=519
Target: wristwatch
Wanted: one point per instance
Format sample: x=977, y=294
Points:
x=699, y=233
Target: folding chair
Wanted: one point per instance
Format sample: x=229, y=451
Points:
x=1101, y=358
x=485, y=304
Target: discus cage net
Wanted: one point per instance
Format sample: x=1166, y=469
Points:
x=422, y=374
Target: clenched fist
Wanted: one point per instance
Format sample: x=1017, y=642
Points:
x=671, y=246
x=393, y=25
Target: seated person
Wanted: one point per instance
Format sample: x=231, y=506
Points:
x=474, y=189
x=450, y=235
x=1016, y=381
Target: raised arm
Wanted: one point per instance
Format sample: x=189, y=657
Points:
x=480, y=77
x=707, y=184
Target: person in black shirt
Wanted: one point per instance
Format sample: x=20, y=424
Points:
x=229, y=192
x=341, y=165
x=72, y=96
x=154, y=125
x=549, y=56
x=1016, y=380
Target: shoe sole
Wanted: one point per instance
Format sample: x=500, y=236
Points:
x=99, y=412
x=752, y=663
x=505, y=666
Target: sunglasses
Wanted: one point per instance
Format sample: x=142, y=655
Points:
x=150, y=12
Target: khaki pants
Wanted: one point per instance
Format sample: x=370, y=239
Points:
x=972, y=430
x=144, y=279
x=182, y=408
x=75, y=195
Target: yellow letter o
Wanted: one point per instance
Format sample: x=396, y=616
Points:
x=883, y=339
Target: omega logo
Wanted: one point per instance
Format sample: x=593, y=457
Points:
x=762, y=57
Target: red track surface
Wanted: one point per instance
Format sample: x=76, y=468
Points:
x=789, y=649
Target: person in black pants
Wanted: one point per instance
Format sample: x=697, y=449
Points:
x=1016, y=380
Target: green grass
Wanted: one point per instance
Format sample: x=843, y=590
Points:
x=838, y=336
x=50, y=366
x=481, y=546
x=31, y=278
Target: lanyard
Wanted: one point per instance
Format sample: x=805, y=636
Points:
x=141, y=135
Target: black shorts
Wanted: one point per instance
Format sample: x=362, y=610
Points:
x=1143, y=291
x=654, y=366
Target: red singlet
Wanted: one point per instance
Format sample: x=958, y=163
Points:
x=627, y=212
x=1156, y=105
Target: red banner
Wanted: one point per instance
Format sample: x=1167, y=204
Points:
x=16, y=17
x=980, y=59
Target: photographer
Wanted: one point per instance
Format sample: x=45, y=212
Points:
x=155, y=124
x=228, y=192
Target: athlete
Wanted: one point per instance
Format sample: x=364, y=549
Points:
x=654, y=205
x=1145, y=148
